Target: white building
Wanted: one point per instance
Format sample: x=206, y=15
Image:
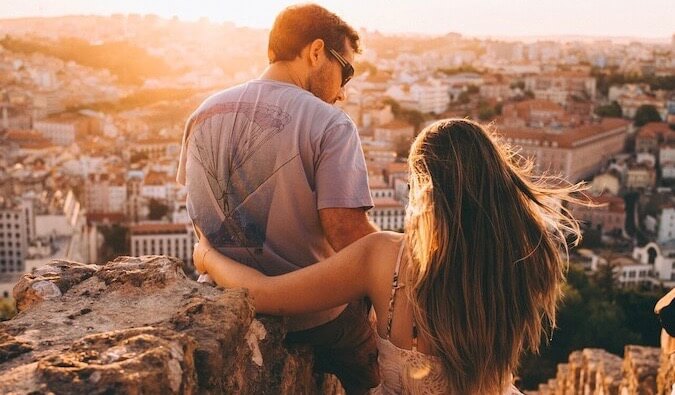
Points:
x=175, y=240
x=380, y=189
x=667, y=161
x=630, y=272
x=396, y=131
x=387, y=214
x=666, y=224
x=61, y=133
x=559, y=86
x=431, y=96
x=13, y=243
x=105, y=194
x=662, y=257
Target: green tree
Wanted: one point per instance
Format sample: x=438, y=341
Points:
x=114, y=241
x=157, y=209
x=7, y=308
x=486, y=112
x=612, y=110
x=646, y=113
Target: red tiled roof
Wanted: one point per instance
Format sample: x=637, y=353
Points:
x=653, y=129
x=568, y=138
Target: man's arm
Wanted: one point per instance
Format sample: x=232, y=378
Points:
x=343, y=226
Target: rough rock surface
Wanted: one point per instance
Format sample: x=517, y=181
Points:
x=666, y=377
x=640, y=368
x=139, y=325
x=593, y=371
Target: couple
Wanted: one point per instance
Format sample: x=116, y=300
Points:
x=277, y=187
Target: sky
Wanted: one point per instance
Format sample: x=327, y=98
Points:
x=497, y=18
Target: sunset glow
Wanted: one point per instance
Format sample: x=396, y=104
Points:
x=649, y=19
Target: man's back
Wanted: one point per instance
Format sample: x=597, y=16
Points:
x=262, y=158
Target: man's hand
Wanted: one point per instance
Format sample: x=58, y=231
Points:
x=198, y=256
x=200, y=250
x=343, y=226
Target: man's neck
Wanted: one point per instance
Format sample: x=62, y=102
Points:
x=284, y=72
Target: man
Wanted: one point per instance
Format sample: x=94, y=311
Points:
x=276, y=176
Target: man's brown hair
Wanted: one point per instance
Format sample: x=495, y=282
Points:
x=298, y=25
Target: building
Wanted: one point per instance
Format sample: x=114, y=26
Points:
x=105, y=193
x=497, y=91
x=155, y=148
x=175, y=240
x=64, y=129
x=667, y=161
x=574, y=153
x=652, y=135
x=394, y=132
x=155, y=186
x=630, y=103
x=559, y=87
x=14, y=225
x=671, y=108
x=387, y=214
x=533, y=113
x=631, y=273
x=377, y=153
x=661, y=256
x=609, y=215
x=379, y=189
x=666, y=224
x=431, y=96
x=640, y=176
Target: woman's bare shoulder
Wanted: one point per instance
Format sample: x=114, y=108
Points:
x=383, y=239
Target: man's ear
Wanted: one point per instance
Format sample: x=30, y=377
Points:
x=316, y=52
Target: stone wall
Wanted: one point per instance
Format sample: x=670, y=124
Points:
x=642, y=371
x=139, y=325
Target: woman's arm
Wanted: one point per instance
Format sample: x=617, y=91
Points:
x=344, y=277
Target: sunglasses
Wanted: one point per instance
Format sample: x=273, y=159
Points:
x=347, y=68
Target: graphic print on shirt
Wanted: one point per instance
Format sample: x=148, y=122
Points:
x=236, y=144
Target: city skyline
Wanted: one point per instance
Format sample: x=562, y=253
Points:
x=489, y=18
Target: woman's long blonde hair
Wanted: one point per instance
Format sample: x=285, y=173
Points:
x=488, y=242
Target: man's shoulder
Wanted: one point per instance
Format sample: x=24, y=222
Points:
x=279, y=96
x=222, y=96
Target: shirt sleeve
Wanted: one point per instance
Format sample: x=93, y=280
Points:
x=341, y=176
x=182, y=160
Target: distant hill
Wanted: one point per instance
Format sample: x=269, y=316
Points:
x=129, y=62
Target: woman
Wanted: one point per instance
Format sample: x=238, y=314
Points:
x=479, y=267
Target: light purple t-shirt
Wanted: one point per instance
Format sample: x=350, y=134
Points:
x=259, y=161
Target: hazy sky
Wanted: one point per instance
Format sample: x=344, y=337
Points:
x=641, y=18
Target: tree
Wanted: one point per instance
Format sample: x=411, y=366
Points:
x=114, y=241
x=486, y=112
x=7, y=308
x=646, y=113
x=157, y=210
x=612, y=110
